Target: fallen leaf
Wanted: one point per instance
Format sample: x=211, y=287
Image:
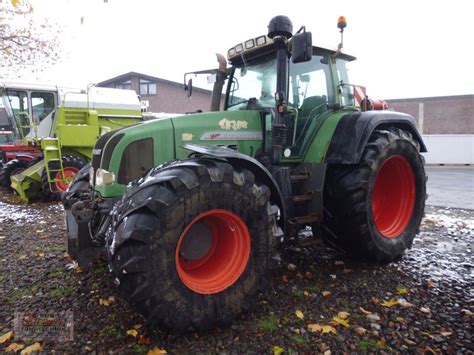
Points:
x=15, y=2
x=34, y=348
x=306, y=293
x=381, y=343
x=402, y=290
x=299, y=314
x=277, y=350
x=136, y=326
x=343, y=322
x=22, y=257
x=41, y=255
x=328, y=329
x=314, y=327
x=404, y=303
x=297, y=330
x=364, y=310
x=143, y=340
x=6, y=337
x=308, y=274
x=326, y=293
x=104, y=302
x=425, y=310
x=132, y=332
x=360, y=331
x=390, y=303
x=14, y=347
x=446, y=334
x=285, y=278
x=466, y=312
x=156, y=351
x=343, y=315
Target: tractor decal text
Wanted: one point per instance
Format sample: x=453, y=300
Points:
x=187, y=136
x=232, y=136
x=233, y=125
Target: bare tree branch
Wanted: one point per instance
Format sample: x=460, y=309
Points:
x=26, y=41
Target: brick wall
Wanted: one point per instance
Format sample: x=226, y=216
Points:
x=439, y=115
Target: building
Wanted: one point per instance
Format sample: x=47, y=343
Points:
x=160, y=95
x=439, y=115
x=447, y=125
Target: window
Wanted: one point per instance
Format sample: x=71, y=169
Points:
x=137, y=159
x=19, y=109
x=147, y=87
x=42, y=104
x=126, y=85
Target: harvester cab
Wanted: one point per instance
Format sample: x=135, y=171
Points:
x=191, y=209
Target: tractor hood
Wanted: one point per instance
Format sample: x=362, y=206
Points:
x=130, y=152
x=240, y=130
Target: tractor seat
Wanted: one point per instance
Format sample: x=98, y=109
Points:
x=310, y=107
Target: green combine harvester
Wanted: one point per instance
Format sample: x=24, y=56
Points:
x=55, y=131
x=192, y=211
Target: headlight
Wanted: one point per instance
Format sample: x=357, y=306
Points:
x=104, y=177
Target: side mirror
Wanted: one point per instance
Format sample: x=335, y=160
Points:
x=189, y=87
x=302, y=47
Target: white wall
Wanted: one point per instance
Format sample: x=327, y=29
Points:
x=449, y=148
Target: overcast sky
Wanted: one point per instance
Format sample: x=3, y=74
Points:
x=404, y=48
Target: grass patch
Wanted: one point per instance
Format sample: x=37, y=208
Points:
x=297, y=293
x=111, y=331
x=62, y=292
x=299, y=340
x=99, y=270
x=269, y=324
x=16, y=295
x=139, y=349
x=368, y=345
x=52, y=248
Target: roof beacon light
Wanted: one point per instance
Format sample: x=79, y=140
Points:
x=341, y=24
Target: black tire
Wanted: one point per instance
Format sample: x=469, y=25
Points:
x=13, y=167
x=154, y=217
x=377, y=221
x=71, y=165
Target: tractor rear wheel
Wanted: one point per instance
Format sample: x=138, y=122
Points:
x=191, y=244
x=373, y=210
x=14, y=166
x=71, y=166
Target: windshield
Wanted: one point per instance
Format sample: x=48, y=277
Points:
x=255, y=80
x=253, y=84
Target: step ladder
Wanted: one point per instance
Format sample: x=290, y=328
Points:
x=52, y=153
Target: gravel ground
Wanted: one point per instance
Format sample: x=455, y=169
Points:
x=318, y=301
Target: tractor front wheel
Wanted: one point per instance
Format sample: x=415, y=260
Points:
x=374, y=209
x=191, y=244
x=71, y=166
x=13, y=167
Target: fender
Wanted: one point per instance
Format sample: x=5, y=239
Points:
x=244, y=161
x=353, y=131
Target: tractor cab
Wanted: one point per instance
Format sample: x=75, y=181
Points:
x=315, y=88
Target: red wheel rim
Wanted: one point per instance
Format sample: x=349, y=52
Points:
x=393, y=197
x=69, y=174
x=224, y=243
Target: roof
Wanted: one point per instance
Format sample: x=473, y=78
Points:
x=129, y=75
x=431, y=98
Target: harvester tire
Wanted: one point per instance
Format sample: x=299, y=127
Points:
x=373, y=210
x=71, y=165
x=191, y=244
x=13, y=167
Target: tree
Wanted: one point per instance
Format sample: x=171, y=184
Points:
x=27, y=42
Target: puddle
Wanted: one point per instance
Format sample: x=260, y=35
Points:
x=17, y=213
x=442, y=252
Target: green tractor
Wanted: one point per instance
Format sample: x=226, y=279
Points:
x=54, y=130
x=193, y=210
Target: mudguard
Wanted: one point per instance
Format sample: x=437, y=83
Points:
x=244, y=161
x=353, y=131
